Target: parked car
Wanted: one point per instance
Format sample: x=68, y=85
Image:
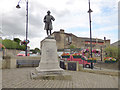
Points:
x=22, y=53
x=33, y=54
x=83, y=62
x=59, y=53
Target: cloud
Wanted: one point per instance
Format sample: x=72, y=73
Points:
x=69, y=14
x=12, y=24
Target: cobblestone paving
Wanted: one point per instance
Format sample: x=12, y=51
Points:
x=20, y=78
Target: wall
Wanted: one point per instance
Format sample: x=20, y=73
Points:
x=10, y=52
x=10, y=62
x=79, y=42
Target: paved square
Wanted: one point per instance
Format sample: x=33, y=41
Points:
x=20, y=78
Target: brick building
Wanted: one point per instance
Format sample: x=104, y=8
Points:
x=65, y=40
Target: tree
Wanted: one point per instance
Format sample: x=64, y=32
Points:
x=22, y=47
x=0, y=40
x=72, y=47
x=9, y=44
x=111, y=52
x=17, y=40
x=35, y=50
x=118, y=52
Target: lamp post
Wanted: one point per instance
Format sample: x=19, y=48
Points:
x=89, y=11
x=101, y=56
x=18, y=6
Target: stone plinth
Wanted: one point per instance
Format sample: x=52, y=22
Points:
x=49, y=65
x=49, y=57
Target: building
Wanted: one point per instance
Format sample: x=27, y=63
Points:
x=116, y=44
x=66, y=40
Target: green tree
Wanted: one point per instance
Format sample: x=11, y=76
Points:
x=17, y=40
x=9, y=44
x=22, y=47
x=111, y=51
x=14, y=45
x=0, y=40
x=35, y=50
x=72, y=46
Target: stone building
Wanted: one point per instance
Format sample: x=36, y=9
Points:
x=66, y=40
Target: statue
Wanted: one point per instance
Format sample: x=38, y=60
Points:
x=48, y=23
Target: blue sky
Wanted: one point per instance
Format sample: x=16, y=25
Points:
x=70, y=15
x=104, y=23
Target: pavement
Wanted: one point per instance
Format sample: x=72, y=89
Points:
x=20, y=78
x=101, y=69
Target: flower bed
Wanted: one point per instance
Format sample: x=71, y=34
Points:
x=76, y=55
x=92, y=60
x=65, y=55
x=83, y=58
x=109, y=60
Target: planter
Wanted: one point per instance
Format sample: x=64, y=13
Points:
x=110, y=61
x=65, y=56
x=76, y=56
x=83, y=58
x=94, y=61
x=113, y=61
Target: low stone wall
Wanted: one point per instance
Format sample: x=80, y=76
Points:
x=27, y=58
x=10, y=52
x=3, y=64
x=10, y=62
x=0, y=64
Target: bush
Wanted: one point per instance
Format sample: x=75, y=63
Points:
x=10, y=44
x=72, y=46
x=112, y=52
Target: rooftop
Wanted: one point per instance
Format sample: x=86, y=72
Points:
x=84, y=38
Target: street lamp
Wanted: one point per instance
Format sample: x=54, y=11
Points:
x=18, y=6
x=89, y=11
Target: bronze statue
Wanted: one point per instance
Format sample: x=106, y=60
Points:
x=48, y=23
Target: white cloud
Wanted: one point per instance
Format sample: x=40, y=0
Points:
x=68, y=14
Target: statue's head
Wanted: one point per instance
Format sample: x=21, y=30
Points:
x=48, y=12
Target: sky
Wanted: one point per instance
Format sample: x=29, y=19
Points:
x=70, y=15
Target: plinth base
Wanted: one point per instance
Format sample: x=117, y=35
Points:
x=49, y=65
x=50, y=75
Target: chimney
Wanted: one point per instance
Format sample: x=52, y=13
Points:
x=104, y=38
x=61, y=30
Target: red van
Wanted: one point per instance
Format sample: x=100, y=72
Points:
x=83, y=62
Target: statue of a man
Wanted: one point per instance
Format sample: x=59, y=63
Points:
x=48, y=22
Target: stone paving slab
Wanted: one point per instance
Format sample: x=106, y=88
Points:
x=103, y=71
x=20, y=78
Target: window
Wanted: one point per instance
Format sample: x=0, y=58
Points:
x=70, y=39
